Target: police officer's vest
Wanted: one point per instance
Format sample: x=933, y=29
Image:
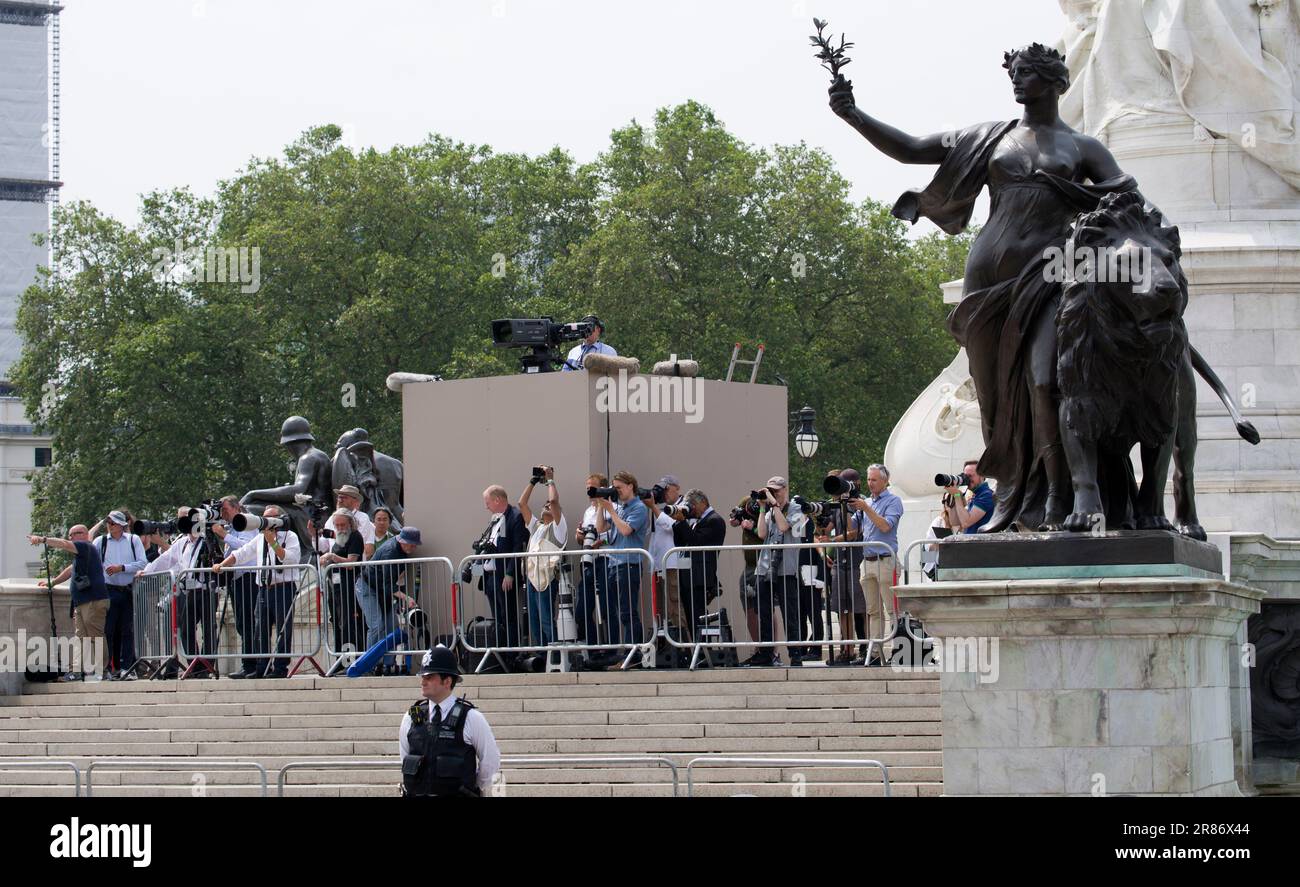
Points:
x=439, y=763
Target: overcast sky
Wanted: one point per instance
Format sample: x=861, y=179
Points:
x=164, y=93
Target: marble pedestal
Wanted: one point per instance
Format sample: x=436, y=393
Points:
x=1114, y=686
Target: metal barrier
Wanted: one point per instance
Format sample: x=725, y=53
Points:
x=413, y=595
x=705, y=760
x=507, y=762
x=46, y=765
x=155, y=621
x=291, y=609
x=822, y=601
x=593, y=604
x=907, y=557
x=198, y=766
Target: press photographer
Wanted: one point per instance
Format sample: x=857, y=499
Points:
x=347, y=547
x=698, y=583
x=594, y=567
x=545, y=533
x=883, y=512
x=968, y=514
x=745, y=516
x=240, y=587
x=843, y=524
x=197, y=548
x=123, y=556
x=276, y=545
x=782, y=522
x=665, y=503
x=625, y=525
x=507, y=534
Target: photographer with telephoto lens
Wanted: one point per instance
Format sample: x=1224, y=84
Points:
x=241, y=587
x=883, y=511
x=963, y=516
x=781, y=522
x=276, y=545
x=625, y=525
x=592, y=587
x=547, y=532
x=745, y=516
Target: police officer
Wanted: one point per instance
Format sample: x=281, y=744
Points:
x=447, y=747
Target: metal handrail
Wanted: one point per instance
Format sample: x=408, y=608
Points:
x=506, y=761
x=907, y=555
x=172, y=764
x=705, y=760
x=44, y=765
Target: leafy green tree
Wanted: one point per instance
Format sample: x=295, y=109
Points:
x=163, y=386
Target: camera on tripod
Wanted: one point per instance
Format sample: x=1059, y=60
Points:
x=202, y=516
x=540, y=335
x=153, y=527
x=838, y=487
x=243, y=521
x=810, y=508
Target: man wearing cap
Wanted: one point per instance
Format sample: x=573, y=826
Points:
x=348, y=497
x=590, y=345
x=446, y=744
x=89, y=594
x=379, y=583
x=122, y=555
x=781, y=522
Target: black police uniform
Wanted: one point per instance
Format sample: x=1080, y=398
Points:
x=439, y=763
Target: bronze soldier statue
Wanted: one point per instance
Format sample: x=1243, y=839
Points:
x=310, y=492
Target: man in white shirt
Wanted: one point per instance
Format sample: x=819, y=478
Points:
x=241, y=588
x=276, y=590
x=590, y=345
x=122, y=555
x=197, y=604
x=349, y=497
x=446, y=744
x=661, y=540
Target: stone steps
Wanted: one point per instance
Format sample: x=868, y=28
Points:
x=809, y=712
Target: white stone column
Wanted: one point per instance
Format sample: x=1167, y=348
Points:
x=1114, y=686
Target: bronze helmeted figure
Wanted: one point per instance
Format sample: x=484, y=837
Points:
x=1044, y=179
x=310, y=492
x=378, y=476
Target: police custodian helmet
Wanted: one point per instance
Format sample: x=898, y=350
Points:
x=440, y=660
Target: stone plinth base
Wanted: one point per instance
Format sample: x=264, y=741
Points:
x=1114, y=686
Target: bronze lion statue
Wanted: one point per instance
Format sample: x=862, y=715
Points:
x=1126, y=371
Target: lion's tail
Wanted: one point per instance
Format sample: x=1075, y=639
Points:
x=1206, y=372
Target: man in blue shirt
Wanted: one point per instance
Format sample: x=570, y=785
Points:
x=89, y=597
x=625, y=525
x=883, y=511
x=970, y=517
x=590, y=345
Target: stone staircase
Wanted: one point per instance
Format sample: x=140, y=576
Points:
x=805, y=712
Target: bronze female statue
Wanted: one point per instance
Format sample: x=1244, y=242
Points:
x=1040, y=174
